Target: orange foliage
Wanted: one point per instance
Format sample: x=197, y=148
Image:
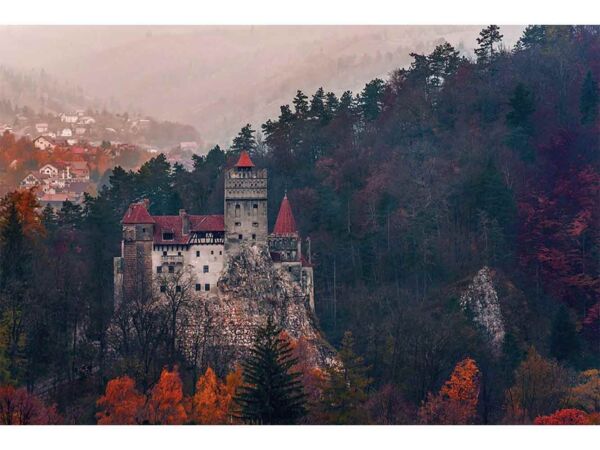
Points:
x=212, y=403
x=165, y=406
x=121, y=404
x=564, y=417
x=456, y=403
x=18, y=407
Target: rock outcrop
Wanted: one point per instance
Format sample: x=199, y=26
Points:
x=480, y=300
x=251, y=289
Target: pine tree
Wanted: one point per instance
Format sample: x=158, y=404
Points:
x=345, y=395
x=488, y=38
x=245, y=140
x=588, y=101
x=371, y=99
x=300, y=105
x=272, y=392
x=533, y=35
x=564, y=342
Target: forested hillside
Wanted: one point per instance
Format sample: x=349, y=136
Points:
x=453, y=213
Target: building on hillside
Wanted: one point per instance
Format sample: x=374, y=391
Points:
x=49, y=170
x=80, y=131
x=69, y=118
x=44, y=143
x=154, y=246
x=66, y=132
x=41, y=127
x=30, y=181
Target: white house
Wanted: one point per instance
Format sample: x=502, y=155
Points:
x=87, y=120
x=80, y=131
x=30, y=180
x=41, y=127
x=44, y=143
x=69, y=118
x=66, y=132
x=49, y=170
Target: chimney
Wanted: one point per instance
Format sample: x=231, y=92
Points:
x=146, y=203
x=185, y=222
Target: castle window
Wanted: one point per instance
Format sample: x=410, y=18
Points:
x=164, y=253
x=253, y=237
x=167, y=236
x=159, y=269
x=240, y=237
x=255, y=209
x=237, y=210
x=177, y=288
x=205, y=269
x=255, y=224
x=163, y=289
x=212, y=252
x=238, y=224
x=143, y=230
x=198, y=254
x=198, y=286
x=171, y=269
x=207, y=287
x=178, y=253
x=220, y=252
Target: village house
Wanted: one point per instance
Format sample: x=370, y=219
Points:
x=41, y=127
x=68, y=118
x=44, y=143
x=66, y=132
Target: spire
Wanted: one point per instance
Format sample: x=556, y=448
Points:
x=137, y=213
x=285, y=223
x=244, y=160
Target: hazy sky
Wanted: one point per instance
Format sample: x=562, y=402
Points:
x=217, y=78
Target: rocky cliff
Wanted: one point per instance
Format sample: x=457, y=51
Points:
x=222, y=328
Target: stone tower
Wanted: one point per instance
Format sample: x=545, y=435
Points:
x=134, y=268
x=245, y=204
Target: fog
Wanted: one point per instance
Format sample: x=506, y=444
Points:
x=218, y=78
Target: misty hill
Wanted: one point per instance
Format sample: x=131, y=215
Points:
x=219, y=78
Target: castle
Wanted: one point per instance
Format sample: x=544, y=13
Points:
x=155, y=248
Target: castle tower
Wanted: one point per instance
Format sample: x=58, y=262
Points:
x=135, y=265
x=245, y=204
x=285, y=246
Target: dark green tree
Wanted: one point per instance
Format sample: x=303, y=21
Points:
x=272, y=392
x=371, y=99
x=564, y=341
x=300, y=105
x=588, y=100
x=245, y=140
x=488, y=39
x=345, y=395
x=533, y=35
x=519, y=121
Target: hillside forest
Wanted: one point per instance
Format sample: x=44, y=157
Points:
x=453, y=214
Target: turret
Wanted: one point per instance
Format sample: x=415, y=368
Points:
x=245, y=208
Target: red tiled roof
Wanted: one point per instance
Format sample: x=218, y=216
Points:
x=137, y=213
x=285, y=223
x=244, y=160
x=173, y=224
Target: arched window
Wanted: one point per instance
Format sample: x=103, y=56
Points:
x=237, y=210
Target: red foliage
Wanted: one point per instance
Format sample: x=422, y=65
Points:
x=564, y=417
x=18, y=407
x=121, y=404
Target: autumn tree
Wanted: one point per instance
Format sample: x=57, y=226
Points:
x=456, y=403
x=585, y=394
x=165, y=404
x=209, y=406
x=121, y=403
x=564, y=417
x=19, y=407
x=271, y=392
x=539, y=388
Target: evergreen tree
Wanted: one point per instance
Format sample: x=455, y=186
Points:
x=533, y=35
x=245, y=140
x=300, y=105
x=345, y=395
x=487, y=40
x=564, y=341
x=443, y=63
x=519, y=120
x=588, y=101
x=272, y=393
x=317, y=104
x=371, y=99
